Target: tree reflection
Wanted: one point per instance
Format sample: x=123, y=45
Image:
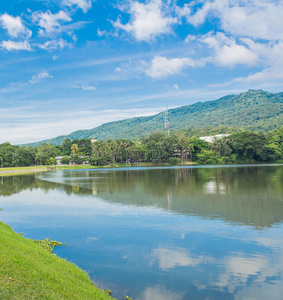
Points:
x=248, y=195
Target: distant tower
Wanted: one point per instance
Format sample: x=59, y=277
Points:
x=166, y=124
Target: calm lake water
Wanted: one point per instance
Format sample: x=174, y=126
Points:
x=167, y=233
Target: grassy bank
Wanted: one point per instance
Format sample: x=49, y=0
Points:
x=27, y=271
x=23, y=170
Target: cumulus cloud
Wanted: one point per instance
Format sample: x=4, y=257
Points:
x=12, y=46
x=14, y=26
x=49, y=22
x=162, y=67
x=270, y=55
x=147, y=20
x=227, y=52
x=252, y=18
x=85, y=5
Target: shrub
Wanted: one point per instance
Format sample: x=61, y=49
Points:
x=173, y=160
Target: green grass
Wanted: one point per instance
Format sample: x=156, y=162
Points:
x=23, y=168
x=27, y=271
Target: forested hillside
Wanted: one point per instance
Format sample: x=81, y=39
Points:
x=254, y=110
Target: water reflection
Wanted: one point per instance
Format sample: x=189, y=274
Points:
x=160, y=234
x=250, y=195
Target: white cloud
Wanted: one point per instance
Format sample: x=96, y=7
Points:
x=227, y=52
x=176, y=86
x=161, y=293
x=14, y=86
x=147, y=20
x=55, y=44
x=85, y=5
x=14, y=26
x=252, y=18
x=270, y=55
x=169, y=258
x=88, y=88
x=190, y=38
x=85, y=87
x=239, y=268
x=101, y=32
x=50, y=22
x=39, y=77
x=162, y=67
x=11, y=45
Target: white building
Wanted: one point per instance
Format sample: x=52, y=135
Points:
x=212, y=138
x=58, y=160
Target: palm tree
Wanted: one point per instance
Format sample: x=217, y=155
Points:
x=74, y=149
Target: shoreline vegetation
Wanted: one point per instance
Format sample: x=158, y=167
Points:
x=156, y=149
x=28, y=271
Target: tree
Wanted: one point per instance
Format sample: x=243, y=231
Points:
x=52, y=161
x=6, y=154
x=220, y=146
x=23, y=157
x=65, y=160
x=45, y=152
x=66, y=147
x=74, y=149
x=183, y=144
x=247, y=145
x=158, y=146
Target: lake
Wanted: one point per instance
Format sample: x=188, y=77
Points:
x=160, y=233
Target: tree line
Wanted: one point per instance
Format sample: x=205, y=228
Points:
x=181, y=146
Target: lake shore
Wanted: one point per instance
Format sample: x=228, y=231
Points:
x=25, y=170
x=21, y=170
x=28, y=271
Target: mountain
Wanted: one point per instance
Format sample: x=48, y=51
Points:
x=254, y=110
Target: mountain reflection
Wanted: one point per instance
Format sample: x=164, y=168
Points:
x=247, y=195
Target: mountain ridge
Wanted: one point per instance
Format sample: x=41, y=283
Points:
x=254, y=110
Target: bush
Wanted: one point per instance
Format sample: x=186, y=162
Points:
x=65, y=160
x=173, y=160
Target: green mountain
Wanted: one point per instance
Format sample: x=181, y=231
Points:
x=254, y=110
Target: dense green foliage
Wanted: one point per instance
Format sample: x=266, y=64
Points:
x=27, y=271
x=238, y=147
x=255, y=110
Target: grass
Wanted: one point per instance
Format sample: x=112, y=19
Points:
x=24, y=168
x=27, y=271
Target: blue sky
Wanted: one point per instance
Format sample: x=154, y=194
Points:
x=75, y=64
